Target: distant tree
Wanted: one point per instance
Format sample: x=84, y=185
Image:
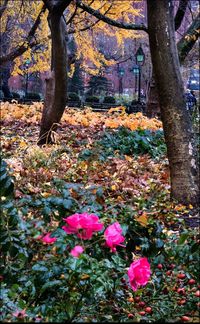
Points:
x=98, y=85
x=75, y=83
x=18, y=38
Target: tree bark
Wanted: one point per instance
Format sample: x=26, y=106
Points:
x=176, y=122
x=153, y=108
x=184, y=45
x=56, y=84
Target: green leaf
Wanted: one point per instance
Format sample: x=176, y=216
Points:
x=70, y=310
x=6, y=183
x=183, y=238
x=50, y=284
x=159, y=243
x=38, y=267
x=67, y=203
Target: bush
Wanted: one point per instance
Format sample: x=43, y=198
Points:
x=33, y=96
x=72, y=96
x=43, y=280
x=6, y=182
x=109, y=99
x=127, y=142
x=92, y=99
x=15, y=95
x=1, y=95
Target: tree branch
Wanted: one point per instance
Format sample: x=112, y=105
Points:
x=48, y=4
x=110, y=21
x=61, y=5
x=91, y=25
x=72, y=16
x=180, y=13
x=23, y=48
x=3, y=8
x=188, y=40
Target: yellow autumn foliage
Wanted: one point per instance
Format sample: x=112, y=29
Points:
x=86, y=117
x=87, y=41
x=17, y=21
x=22, y=17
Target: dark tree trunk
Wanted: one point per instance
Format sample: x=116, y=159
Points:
x=56, y=84
x=176, y=122
x=184, y=45
x=153, y=108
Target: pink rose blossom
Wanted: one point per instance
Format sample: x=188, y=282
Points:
x=113, y=236
x=139, y=273
x=76, y=251
x=47, y=239
x=83, y=225
x=20, y=314
x=39, y=237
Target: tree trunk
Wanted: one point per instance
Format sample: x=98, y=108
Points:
x=56, y=84
x=176, y=121
x=153, y=109
x=184, y=45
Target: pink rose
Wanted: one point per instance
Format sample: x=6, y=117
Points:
x=47, y=239
x=113, y=236
x=76, y=251
x=38, y=237
x=20, y=314
x=84, y=225
x=139, y=273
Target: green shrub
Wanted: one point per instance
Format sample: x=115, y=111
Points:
x=6, y=182
x=92, y=99
x=123, y=141
x=109, y=99
x=72, y=96
x=128, y=142
x=43, y=282
x=33, y=96
x=15, y=95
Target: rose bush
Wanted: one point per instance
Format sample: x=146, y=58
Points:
x=52, y=275
x=139, y=273
x=76, y=251
x=84, y=225
x=113, y=236
x=48, y=239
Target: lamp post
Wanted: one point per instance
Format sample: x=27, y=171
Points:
x=140, y=58
x=135, y=69
x=121, y=72
x=27, y=62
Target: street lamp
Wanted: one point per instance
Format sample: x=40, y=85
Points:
x=135, y=70
x=121, y=73
x=27, y=62
x=140, y=58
